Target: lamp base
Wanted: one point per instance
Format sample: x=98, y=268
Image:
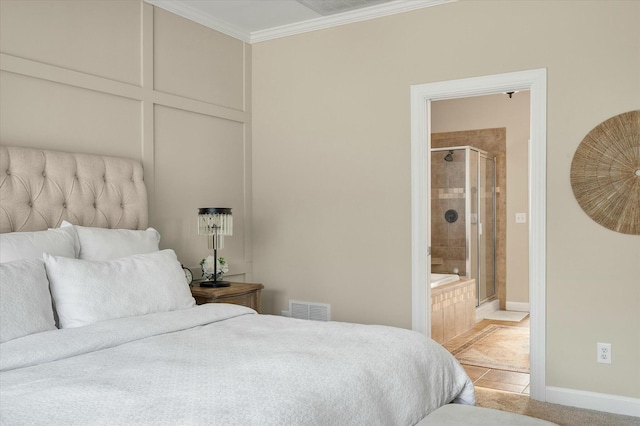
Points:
x=215, y=284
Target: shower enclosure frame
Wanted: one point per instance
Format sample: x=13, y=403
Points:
x=470, y=219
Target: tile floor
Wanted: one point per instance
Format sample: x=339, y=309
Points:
x=504, y=380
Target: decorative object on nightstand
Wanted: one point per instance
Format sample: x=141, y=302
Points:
x=215, y=222
x=188, y=275
x=209, y=268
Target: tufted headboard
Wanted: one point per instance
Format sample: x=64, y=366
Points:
x=39, y=189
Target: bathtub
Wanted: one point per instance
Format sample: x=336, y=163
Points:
x=442, y=279
x=453, y=308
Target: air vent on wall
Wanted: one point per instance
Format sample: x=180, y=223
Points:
x=310, y=311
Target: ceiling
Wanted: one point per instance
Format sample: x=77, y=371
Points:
x=253, y=21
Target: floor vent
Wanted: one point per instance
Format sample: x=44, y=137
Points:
x=310, y=311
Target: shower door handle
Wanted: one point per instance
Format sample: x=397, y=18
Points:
x=480, y=228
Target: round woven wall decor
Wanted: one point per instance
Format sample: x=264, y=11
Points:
x=605, y=173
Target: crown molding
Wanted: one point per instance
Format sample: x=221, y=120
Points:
x=188, y=12
x=377, y=11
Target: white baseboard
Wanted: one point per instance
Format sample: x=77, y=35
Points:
x=486, y=308
x=594, y=401
x=518, y=306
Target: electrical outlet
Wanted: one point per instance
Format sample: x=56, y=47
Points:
x=604, y=353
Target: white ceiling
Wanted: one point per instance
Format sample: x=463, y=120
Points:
x=260, y=20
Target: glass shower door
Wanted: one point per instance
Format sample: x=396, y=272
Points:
x=486, y=229
x=473, y=223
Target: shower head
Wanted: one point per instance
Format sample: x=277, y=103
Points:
x=449, y=156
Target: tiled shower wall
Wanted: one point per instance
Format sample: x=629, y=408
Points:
x=448, y=240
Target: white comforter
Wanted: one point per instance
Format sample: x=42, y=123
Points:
x=225, y=365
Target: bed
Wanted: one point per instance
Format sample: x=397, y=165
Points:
x=98, y=326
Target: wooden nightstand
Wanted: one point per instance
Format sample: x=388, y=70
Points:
x=245, y=294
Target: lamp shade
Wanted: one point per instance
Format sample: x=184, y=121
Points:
x=216, y=221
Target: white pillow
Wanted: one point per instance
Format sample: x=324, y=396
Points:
x=25, y=305
x=108, y=244
x=31, y=245
x=86, y=291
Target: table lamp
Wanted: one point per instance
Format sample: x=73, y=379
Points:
x=215, y=222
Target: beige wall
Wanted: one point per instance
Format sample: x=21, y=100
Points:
x=332, y=202
x=124, y=78
x=484, y=112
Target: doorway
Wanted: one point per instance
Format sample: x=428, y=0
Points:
x=421, y=98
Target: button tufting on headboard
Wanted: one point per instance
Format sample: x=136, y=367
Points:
x=39, y=189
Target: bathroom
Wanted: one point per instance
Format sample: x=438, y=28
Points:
x=479, y=133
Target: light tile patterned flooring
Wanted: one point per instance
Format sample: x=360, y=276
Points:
x=504, y=380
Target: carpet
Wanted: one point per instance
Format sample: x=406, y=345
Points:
x=560, y=414
x=498, y=347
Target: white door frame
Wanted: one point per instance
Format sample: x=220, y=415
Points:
x=421, y=96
